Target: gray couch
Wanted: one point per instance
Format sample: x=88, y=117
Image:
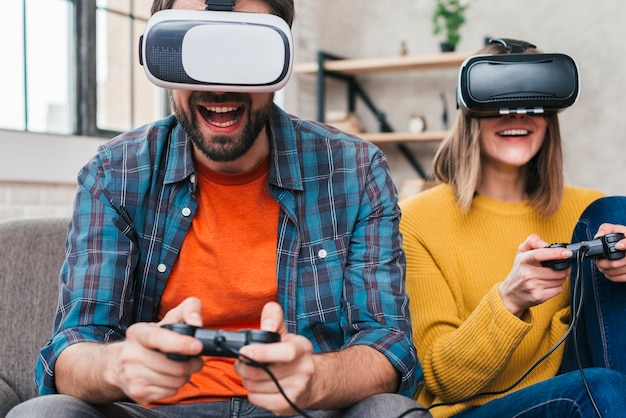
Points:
x=31, y=254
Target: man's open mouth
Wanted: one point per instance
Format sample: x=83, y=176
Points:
x=221, y=116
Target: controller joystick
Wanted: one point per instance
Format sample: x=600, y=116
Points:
x=601, y=247
x=220, y=343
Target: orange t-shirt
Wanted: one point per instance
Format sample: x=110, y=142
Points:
x=228, y=261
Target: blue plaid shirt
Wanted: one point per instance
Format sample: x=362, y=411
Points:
x=340, y=265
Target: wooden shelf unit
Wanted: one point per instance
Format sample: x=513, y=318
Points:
x=347, y=70
x=403, y=137
x=385, y=64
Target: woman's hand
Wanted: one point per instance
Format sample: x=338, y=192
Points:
x=614, y=270
x=529, y=283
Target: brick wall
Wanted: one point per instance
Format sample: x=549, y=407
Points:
x=301, y=91
x=35, y=200
x=38, y=172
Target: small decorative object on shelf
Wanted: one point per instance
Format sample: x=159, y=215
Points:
x=448, y=17
x=417, y=124
x=403, y=51
x=345, y=121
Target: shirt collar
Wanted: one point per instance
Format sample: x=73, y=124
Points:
x=285, y=170
x=180, y=153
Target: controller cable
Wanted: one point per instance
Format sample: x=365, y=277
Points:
x=265, y=367
x=576, y=307
x=579, y=266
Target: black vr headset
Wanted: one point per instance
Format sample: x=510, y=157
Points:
x=517, y=83
x=217, y=49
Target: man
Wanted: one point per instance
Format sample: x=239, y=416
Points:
x=231, y=215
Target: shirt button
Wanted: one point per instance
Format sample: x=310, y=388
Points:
x=186, y=212
x=322, y=253
x=162, y=268
x=192, y=178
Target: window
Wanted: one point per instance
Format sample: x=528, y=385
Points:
x=36, y=66
x=71, y=67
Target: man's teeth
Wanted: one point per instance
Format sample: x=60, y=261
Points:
x=219, y=110
x=514, y=132
x=223, y=124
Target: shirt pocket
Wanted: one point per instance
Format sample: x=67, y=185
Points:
x=321, y=267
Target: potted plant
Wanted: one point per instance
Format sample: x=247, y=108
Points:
x=448, y=17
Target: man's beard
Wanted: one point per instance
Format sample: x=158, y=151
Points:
x=223, y=148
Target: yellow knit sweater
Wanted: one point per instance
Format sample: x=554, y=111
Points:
x=466, y=340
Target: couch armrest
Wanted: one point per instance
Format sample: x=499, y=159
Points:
x=8, y=398
x=32, y=252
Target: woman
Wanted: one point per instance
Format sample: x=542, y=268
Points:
x=484, y=308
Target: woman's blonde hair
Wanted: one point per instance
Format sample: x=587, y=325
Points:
x=458, y=159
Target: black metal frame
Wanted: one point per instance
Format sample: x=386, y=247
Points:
x=85, y=98
x=355, y=90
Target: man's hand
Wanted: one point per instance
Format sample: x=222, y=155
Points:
x=614, y=270
x=136, y=367
x=529, y=283
x=144, y=373
x=291, y=363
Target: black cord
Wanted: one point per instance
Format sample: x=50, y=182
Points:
x=416, y=409
x=579, y=266
x=265, y=367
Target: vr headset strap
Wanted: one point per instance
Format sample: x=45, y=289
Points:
x=220, y=5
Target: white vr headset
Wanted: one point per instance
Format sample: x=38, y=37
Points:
x=492, y=85
x=217, y=51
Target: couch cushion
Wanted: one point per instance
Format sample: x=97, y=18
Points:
x=32, y=251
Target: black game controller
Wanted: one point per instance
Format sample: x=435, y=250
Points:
x=601, y=247
x=220, y=343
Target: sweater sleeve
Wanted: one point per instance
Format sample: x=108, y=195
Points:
x=460, y=357
x=466, y=359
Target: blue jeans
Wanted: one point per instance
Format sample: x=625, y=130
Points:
x=601, y=332
x=62, y=406
x=599, y=343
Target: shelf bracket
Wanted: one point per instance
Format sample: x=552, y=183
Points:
x=356, y=90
